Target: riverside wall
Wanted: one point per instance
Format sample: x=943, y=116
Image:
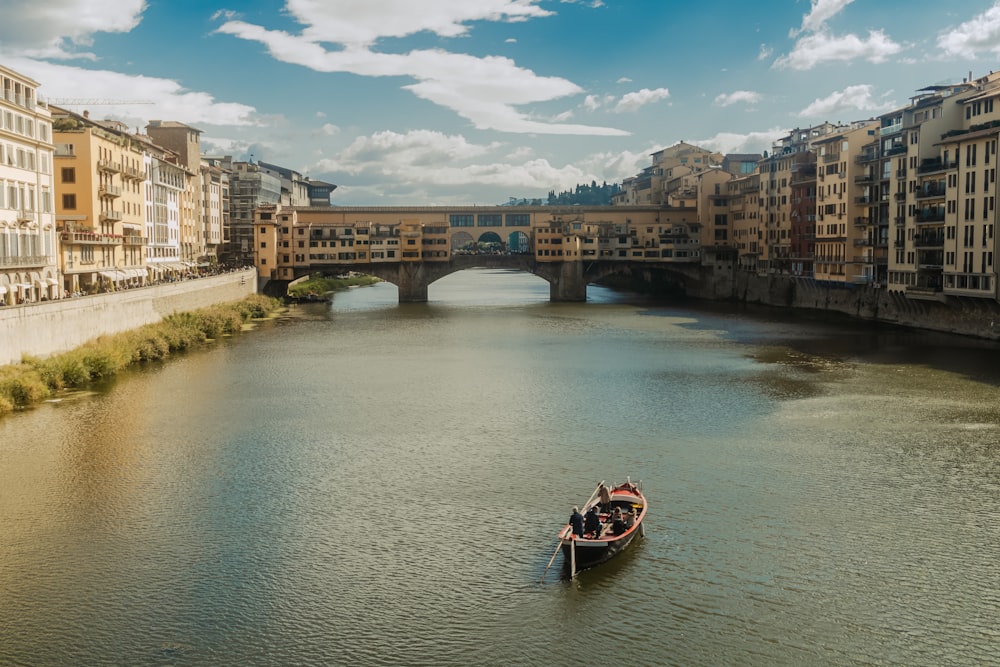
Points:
x=51, y=327
x=966, y=316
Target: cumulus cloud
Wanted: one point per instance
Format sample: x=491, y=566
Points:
x=744, y=96
x=819, y=45
x=750, y=142
x=852, y=98
x=58, y=28
x=170, y=99
x=430, y=158
x=979, y=34
x=640, y=98
x=823, y=47
x=820, y=12
x=487, y=91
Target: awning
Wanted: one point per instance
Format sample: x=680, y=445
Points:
x=25, y=286
x=3, y=290
x=52, y=281
x=111, y=275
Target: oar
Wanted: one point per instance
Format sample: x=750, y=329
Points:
x=558, y=546
x=554, y=554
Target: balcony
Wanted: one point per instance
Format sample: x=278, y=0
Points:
x=868, y=156
x=899, y=196
x=895, y=150
x=930, y=190
x=862, y=222
x=109, y=166
x=86, y=237
x=923, y=217
x=21, y=262
x=935, y=164
x=928, y=241
x=135, y=174
x=865, y=178
x=133, y=239
x=109, y=191
x=834, y=157
x=110, y=216
x=864, y=200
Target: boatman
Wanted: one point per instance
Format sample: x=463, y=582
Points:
x=576, y=522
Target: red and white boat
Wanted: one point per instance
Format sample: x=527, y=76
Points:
x=624, y=502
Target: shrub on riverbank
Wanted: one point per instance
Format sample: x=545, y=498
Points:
x=318, y=285
x=35, y=380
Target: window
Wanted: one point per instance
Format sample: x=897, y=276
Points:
x=489, y=220
x=69, y=202
x=518, y=220
x=460, y=220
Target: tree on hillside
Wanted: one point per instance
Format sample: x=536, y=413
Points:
x=585, y=195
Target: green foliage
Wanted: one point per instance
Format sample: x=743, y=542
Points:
x=34, y=380
x=585, y=195
x=319, y=284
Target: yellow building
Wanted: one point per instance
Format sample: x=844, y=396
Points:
x=843, y=251
x=100, y=203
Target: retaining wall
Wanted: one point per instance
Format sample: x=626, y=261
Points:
x=51, y=327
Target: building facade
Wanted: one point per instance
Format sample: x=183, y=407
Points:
x=29, y=268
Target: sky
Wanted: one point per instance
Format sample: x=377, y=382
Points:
x=446, y=102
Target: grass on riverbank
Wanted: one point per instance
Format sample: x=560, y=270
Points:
x=34, y=380
x=317, y=285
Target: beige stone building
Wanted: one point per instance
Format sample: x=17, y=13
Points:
x=841, y=198
x=744, y=215
x=29, y=268
x=100, y=203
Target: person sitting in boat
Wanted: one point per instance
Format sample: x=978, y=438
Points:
x=630, y=518
x=592, y=522
x=576, y=522
x=617, y=522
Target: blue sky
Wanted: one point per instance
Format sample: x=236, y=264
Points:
x=405, y=102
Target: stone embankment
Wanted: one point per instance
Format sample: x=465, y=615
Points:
x=47, y=328
x=966, y=316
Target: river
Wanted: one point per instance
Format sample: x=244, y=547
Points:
x=369, y=483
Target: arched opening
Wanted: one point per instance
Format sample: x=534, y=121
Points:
x=462, y=243
x=490, y=244
x=518, y=243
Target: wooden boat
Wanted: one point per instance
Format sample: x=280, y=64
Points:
x=593, y=548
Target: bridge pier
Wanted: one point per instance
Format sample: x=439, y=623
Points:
x=412, y=283
x=569, y=284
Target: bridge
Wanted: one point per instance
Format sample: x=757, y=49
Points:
x=568, y=247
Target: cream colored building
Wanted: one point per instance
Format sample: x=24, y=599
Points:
x=744, y=214
x=100, y=203
x=29, y=268
x=841, y=198
x=185, y=142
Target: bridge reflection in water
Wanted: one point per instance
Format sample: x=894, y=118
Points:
x=569, y=247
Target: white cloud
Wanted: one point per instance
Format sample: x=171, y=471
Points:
x=981, y=33
x=822, y=47
x=624, y=79
x=765, y=52
x=745, y=96
x=429, y=158
x=328, y=129
x=360, y=23
x=820, y=12
x=852, y=98
x=170, y=99
x=57, y=28
x=487, y=91
x=640, y=98
x=751, y=142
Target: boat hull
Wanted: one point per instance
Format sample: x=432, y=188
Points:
x=583, y=552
